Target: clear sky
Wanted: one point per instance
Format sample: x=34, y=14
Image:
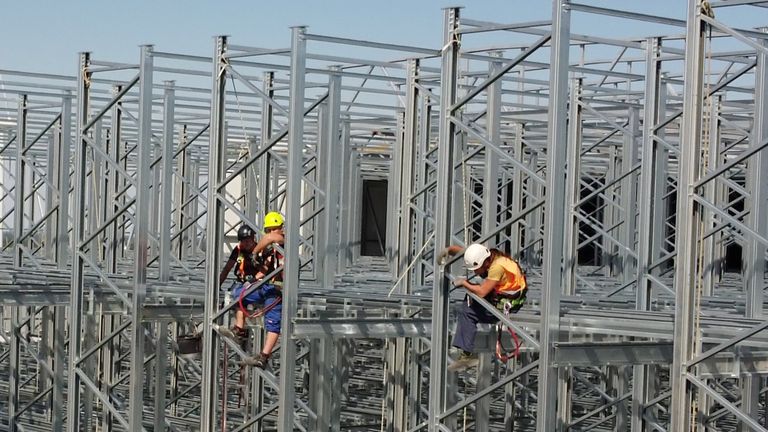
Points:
x=46, y=35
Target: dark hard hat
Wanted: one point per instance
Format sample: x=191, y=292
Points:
x=244, y=232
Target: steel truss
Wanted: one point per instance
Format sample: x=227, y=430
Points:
x=626, y=174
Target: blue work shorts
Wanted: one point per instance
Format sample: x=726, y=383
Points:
x=267, y=295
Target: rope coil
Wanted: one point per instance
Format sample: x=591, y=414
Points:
x=258, y=312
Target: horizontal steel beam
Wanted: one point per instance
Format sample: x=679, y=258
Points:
x=362, y=327
x=575, y=354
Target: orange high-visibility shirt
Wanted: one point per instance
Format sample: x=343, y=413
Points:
x=507, y=274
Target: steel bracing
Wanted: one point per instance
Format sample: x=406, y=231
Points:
x=626, y=173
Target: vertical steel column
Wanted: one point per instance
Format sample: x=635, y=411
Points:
x=14, y=377
x=46, y=349
x=161, y=369
x=63, y=240
x=122, y=149
x=143, y=203
x=59, y=354
x=629, y=153
x=107, y=205
x=757, y=219
x=421, y=167
x=293, y=209
x=406, y=370
x=344, y=353
x=661, y=173
x=571, y=230
x=712, y=244
x=21, y=178
x=345, y=214
x=493, y=128
x=321, y=380
x=401, y=366
x=309, y=229
x=51, y=192
x=95, y=250
x=96, y=195
x=443, y=210
x=711, y=251
x=182, y=196
x=115, y=145
x=533, y=221
x=395, y=182
x=461, y=195
x=484, y=377
x=516, y=204
x=194, y=208
x=409, y=142
x=267, y=114
x=333, y=179
x=573, y=187
x=265, y=205
x=169, y=102
x=215, y=231
x=250, y=188
x=619, y=376
x=78, y=230
x=688, y=220
x=642, y=387
x=610, y=261
x=554, y=217
x=108, y=369
x=356, y=209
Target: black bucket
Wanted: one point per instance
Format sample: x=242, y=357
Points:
x=190, y=344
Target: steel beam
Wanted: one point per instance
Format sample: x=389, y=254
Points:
x=285, y=417
x=213, y=251
x=78, y=230
x=438, y=401
x=554, y=217
x=329, y=254
x=688, y=216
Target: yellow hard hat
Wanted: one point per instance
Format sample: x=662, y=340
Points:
x=273, y=220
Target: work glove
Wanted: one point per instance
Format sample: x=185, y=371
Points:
x=442, y=257
x=459, y=282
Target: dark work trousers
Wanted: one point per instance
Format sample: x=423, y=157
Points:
x=470, y=313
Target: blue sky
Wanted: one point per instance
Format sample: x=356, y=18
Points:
x=46, y=35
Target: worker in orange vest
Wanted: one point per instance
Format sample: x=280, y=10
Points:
x=503, y=285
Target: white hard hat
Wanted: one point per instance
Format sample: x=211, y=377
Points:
x=475, y=256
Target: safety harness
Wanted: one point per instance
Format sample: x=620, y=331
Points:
x=271, y=259
x=508, y=299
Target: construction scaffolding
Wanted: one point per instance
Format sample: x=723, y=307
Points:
x=627, y=174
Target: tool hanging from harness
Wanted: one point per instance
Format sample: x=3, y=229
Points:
x=509, y=298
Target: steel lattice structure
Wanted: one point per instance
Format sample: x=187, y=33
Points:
x=627, y=175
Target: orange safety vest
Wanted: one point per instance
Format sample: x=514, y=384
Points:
x=515, y=279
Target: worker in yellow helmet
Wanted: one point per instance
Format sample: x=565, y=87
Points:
x=266, y=259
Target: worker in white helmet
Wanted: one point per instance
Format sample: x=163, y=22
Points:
x=503, y=284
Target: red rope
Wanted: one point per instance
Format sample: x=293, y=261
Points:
x=500, y=353
x=258, y=312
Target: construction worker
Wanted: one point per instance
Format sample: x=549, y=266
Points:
x=256, y=261
x=244, y=263
x=503, y=285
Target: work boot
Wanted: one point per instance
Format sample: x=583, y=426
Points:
x=465, y=361
x=261, y=361
x=237, y=334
